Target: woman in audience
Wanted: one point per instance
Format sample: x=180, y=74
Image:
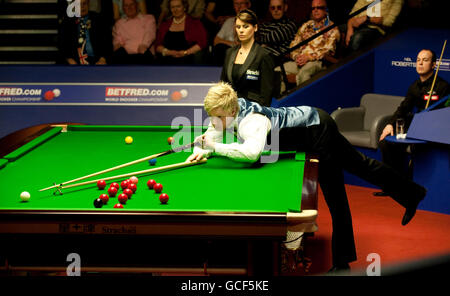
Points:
x=248, y=67
x=181, y=39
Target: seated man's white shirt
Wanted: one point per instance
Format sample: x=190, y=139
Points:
x=226, y=32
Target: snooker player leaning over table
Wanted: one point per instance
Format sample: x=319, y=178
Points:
x=309, y=129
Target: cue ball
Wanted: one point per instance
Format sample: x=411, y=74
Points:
x=112, y=191
x=101, y=184
x=158, y=187
x=151, y=183
x=163, y=198
x=98, y=203
x=25, y=196
x=128, y=140
x=152, y=161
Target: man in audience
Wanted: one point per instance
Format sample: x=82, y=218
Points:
x=133, y=36
x=216, y=13
x=307, y=59
x=277, y=34
x=371, y=23
x=84, y=40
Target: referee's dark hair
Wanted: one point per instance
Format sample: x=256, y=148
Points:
x=248, y=16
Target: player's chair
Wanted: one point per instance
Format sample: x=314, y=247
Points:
x=362, y=126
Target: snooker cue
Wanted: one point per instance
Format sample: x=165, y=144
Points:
x=435, y=75
x=154, y=170
x=177, y=149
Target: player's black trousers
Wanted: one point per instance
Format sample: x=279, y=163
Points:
x=335, y=155
x=395, y=155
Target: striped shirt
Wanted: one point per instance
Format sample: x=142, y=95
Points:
x=277, y=35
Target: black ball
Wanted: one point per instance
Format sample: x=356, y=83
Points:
x=98, y=203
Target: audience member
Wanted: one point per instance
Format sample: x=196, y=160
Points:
x=133, y=36
x=259, y=7
x=248, y=67
x=84, y=40
x=394, y=154
x=371, y=23
x=299, y=11
x=195, y=8
x=226, y=37
x=216, y=13
x=307, y=59
x=119, y=12
x=277, y=34
x=181, y=39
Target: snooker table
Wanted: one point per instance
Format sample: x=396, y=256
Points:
x=222, y=216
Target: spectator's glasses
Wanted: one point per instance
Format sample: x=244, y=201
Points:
x=277, y=7
x=318, y=7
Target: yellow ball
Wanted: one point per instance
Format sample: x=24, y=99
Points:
x=128, y=140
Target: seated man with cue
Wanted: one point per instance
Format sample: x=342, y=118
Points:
x=309, y=129
x=394, y=154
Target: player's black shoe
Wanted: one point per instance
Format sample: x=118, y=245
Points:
x=412, y=208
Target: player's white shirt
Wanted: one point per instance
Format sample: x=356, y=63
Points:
x=253, y=123
x=252, y=130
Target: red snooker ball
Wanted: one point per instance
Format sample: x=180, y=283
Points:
x=151, y=183
x=49, y=95
x=112, y=191
x=163, y=198
x=115, y=185
x=124, y=184
x=133, y=187
x=170, y=140
x=128, y=192
x=158, y=187
x=101, y=184
x=104, y=198
x=122, y=198
x=118, y=206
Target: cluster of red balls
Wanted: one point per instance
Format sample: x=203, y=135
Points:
x=163, y=198
x=129, y=188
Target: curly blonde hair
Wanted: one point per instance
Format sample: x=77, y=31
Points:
x=221, y=95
